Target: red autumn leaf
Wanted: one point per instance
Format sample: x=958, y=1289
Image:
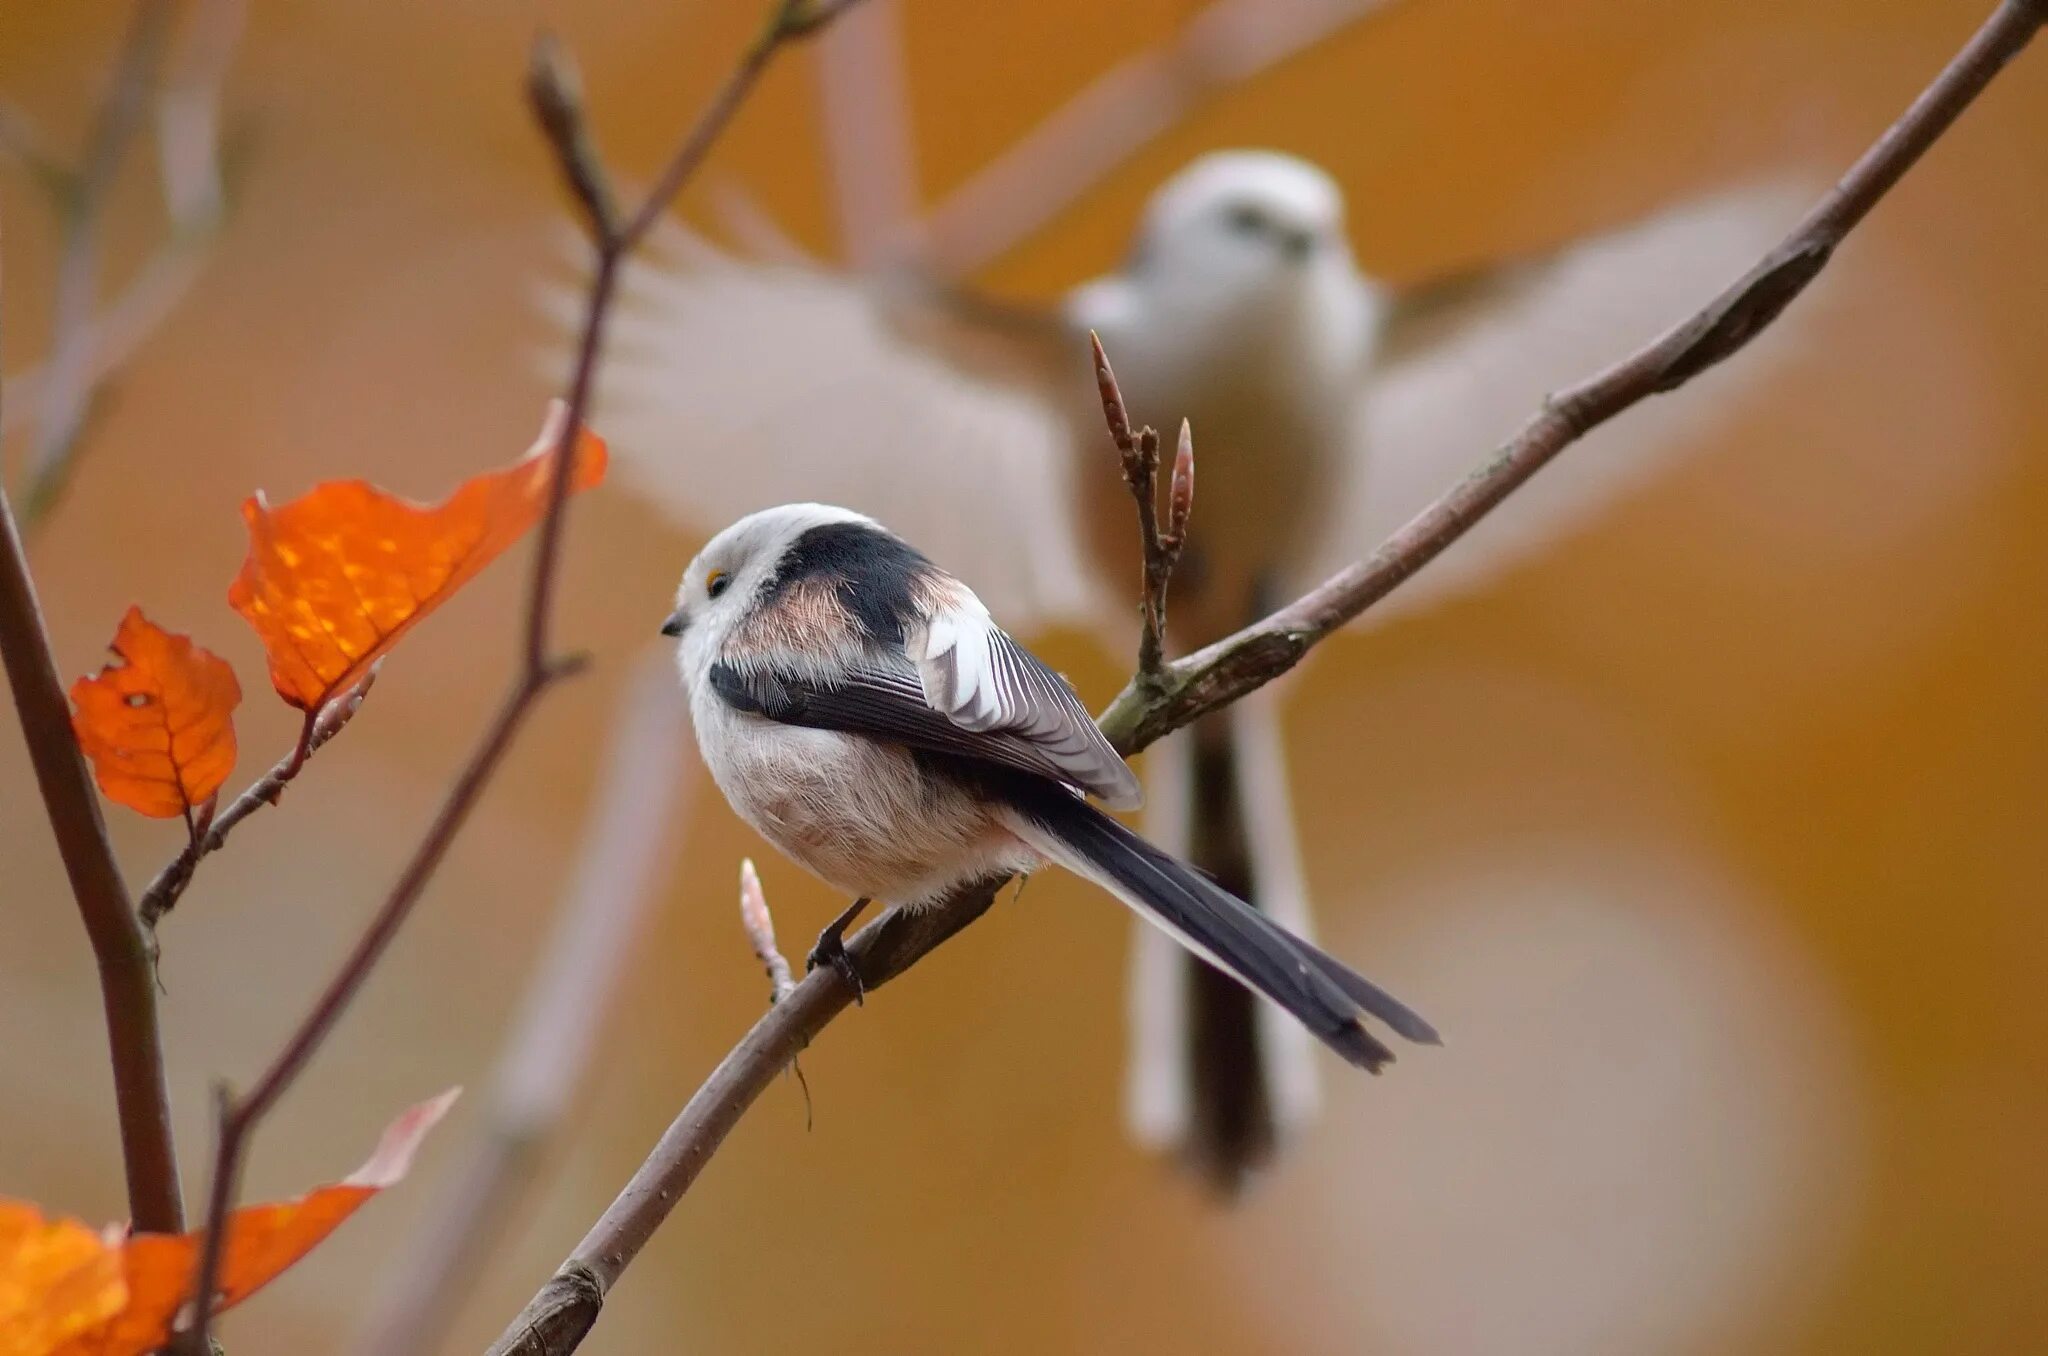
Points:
x=159, y=725
x=60, y=1298
x=335, y=577
x=57, y=1279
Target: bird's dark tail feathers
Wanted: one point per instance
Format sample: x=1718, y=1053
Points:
x=1320, y=991
x=1234, y=1117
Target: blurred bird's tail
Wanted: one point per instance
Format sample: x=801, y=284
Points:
x=1227, y=1040
x=1214, y=1077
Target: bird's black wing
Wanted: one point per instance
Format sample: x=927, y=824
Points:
x=881, y=700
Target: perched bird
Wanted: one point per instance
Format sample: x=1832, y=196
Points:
x=1327, y=409
x=863, y=712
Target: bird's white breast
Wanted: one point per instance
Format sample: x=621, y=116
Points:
x=862, y=815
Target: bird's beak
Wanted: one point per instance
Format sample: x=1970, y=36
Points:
x=675, y=623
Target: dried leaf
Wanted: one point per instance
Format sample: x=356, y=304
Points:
x=159, y=725
x=57, y=1280
x=147, y=1277
x=335, y=577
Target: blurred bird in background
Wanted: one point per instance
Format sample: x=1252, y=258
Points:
x=1327, y=409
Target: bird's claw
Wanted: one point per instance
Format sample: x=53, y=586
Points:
x=830, y=949
x=834, y=954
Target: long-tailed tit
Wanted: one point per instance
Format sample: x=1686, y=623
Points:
x=1327, y=409
x=862, y=711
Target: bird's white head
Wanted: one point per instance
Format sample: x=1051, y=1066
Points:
x=721, y=586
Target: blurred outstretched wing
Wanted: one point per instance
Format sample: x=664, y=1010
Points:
x=1465, y=363
x=731, y=384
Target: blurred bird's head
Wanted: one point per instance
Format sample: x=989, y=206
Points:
x=1239, y=227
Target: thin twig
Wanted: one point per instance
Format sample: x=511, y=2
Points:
x=127, y=982
x=628, y=836
x=555, y=1321
x=170, y=882
x=1139, y=454
x=188, y=141
x=67, y=391
x=24, y=139
x=1095, y=131
x=553, y=92
x=870, y=152
x=121, y=328
x=87, y=348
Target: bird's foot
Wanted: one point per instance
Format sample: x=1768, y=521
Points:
x=830, y=949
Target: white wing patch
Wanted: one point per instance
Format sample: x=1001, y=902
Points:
x=1430, y=418
x=981, y=679
x=730, y=384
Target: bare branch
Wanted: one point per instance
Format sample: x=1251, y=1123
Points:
x=865, y=115
x=628, y=836
x=560, y=116
x=86, y=349
x=1139, y=454
x=24, y=139
x=127, y=982
x=188, y=117
x=67, y=390
x=1100, y=128
x=555, y=1321
x=554, y=89
x=170, y=882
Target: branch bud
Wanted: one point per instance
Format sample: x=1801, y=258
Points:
x=555, y=90
x=1113, y=411
x=1180, y=499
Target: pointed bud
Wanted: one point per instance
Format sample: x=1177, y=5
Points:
x=760, y=926
x=555, y=87
x=1180, y=500
x=555, y=90
x=1113, y=410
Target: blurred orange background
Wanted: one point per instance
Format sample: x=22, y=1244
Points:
x=1712, y=839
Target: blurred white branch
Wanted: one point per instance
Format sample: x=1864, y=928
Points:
x=88, y=344
x=628, y=840
x=869, y=146
x=1088, y=137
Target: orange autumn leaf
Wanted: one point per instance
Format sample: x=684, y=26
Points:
x=335, y=577
x=124, y=1299
x=57, y=1280
x=159, y=725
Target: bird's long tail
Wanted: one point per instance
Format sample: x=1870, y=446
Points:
x=1323, y=994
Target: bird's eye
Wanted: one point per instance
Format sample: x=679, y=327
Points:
x=718, y=582
x=1244, y=219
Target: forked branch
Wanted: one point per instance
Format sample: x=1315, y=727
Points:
x=170, y=882
x=1138, y=453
